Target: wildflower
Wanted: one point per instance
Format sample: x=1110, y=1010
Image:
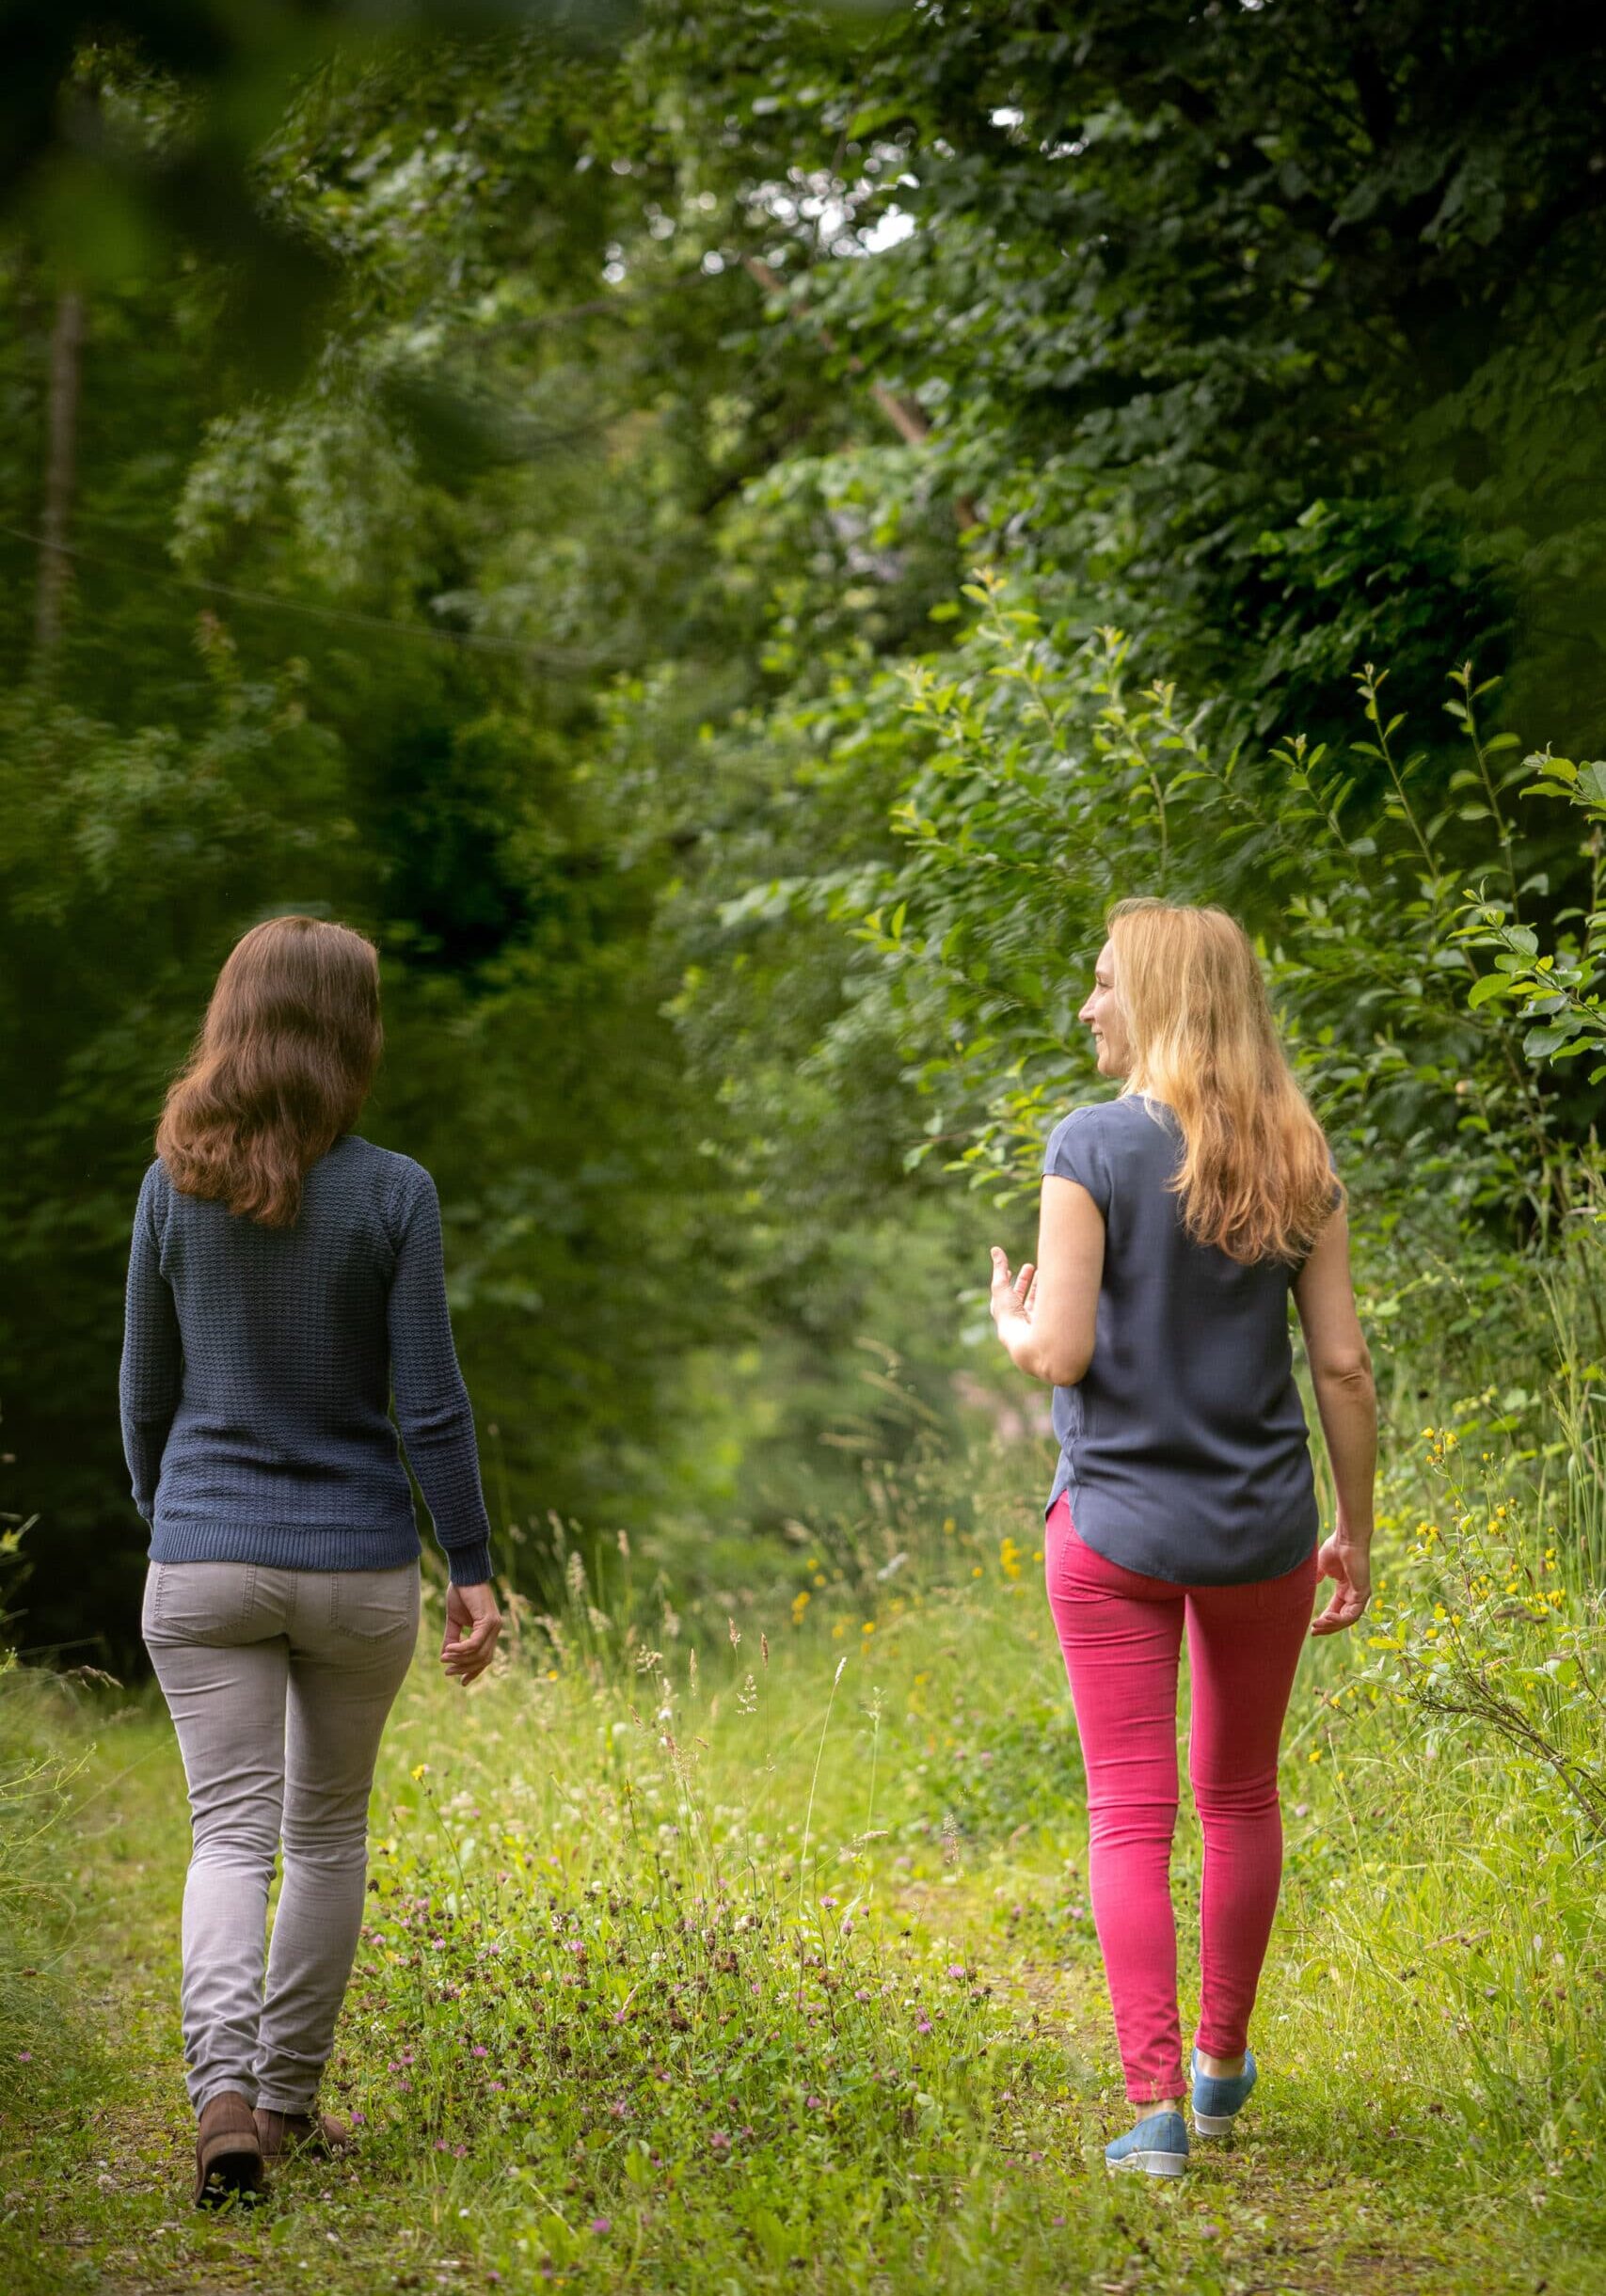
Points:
x=602, y=2224
x=1010, y=1559
x=719, y=2141
x=815, y=2104
x=956, y=1969
x=420, y=1769
x=868, y=1627
x=801, y=1601
x=922, y=2024
x=977, y=1572
x=830, y=1903
x=860, y=1993
x=478, y=2051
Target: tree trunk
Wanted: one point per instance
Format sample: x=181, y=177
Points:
x=55, y=566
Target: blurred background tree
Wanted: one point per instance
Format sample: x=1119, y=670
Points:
x=489, y=475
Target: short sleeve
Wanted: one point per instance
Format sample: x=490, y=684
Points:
x=1337, y=1196
x=1076, y=1151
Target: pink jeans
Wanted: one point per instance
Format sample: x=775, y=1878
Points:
x=1122, y=1636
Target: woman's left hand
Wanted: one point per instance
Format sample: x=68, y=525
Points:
x=1012, y=1296
x=474, y=1622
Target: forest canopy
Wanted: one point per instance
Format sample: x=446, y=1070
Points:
x=724, y=537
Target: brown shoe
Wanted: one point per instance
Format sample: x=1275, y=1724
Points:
x=319, y=2136
x=228, y=2152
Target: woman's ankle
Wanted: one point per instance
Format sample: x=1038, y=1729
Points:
x=1220, y=2068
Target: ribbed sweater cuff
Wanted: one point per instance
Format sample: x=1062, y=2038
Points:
x=470, y=1566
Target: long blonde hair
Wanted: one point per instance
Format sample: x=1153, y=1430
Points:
x=1255, y=1178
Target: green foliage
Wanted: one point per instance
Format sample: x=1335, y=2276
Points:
x=1558, y=994
x=520, y=489
x=1485, y=1622
x=1038, y=782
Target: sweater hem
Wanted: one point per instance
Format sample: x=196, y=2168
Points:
x=284, y=1546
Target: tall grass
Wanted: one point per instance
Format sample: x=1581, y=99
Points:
x=39, y=1756
x=742, y=1930
x=742, y=1942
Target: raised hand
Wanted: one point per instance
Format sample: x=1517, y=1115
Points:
x=1011, y=1295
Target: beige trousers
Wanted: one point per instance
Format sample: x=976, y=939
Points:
x=279, y=1684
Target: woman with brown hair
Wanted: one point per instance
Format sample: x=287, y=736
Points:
x=285, y=1278
x=1177, y=1221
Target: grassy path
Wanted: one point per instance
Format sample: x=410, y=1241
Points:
x=1328, y=2194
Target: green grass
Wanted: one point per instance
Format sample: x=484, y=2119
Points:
x=708, y=1965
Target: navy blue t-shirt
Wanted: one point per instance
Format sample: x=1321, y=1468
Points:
x=1183, y=1447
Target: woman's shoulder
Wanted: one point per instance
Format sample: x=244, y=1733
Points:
x=1098, y=1120
x=398, y=1181
x=156, y=1192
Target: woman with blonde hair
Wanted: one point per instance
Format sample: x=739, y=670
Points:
x=1177, y=1221
x=285, y=1279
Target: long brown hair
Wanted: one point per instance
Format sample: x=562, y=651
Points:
x=281, y=1070
x=1255, y=1178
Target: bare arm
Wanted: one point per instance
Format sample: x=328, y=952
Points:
x=1341, y=1372
x=1046, y=1315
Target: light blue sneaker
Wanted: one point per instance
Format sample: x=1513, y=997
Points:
x=1217, y=2103
x=1158, y=2147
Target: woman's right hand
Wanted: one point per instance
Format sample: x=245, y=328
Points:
x=472, y=1624
x=1348, y=1564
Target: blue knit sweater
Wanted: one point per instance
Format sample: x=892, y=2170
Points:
x=257, y=1364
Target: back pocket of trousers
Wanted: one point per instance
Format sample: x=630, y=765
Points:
x=199, y=1602
x=371, y=1605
